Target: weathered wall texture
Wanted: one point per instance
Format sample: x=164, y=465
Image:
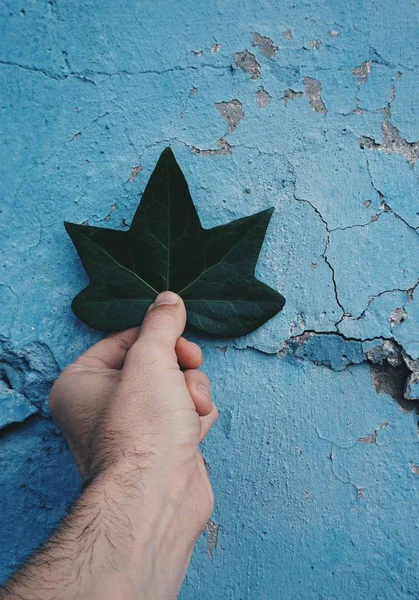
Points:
x=310, y=107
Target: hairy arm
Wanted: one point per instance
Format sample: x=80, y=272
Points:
x=121, y=539
x=133, y=409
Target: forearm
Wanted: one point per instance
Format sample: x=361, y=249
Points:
x=120, y=540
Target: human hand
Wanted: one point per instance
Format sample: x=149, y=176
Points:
x=133, y=421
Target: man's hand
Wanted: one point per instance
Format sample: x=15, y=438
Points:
x=133, y=409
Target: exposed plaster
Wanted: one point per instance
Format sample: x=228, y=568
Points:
x=315, y=44
x=246, y=61
x=362, y=71
x=391, y=143
x=135, y=171
x=232, y=112
x=263, y=98
x=265, y=44
x=211, y=529
x=391, y=140
x=312, y=91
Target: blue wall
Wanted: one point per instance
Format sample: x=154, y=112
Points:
x=314, y=460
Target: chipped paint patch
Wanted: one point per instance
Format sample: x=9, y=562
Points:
x=397, y=317
x=211, y=529
x=265, y=44
x=290, y=94
x=263, y=98
x=135, y=171
x=392, y=143
x=315, y=44
x=246, y=61
x=232, y=112
x=362, y=71
x=313, y=91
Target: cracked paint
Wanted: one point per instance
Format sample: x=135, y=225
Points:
x=392, y=143
x=84, y=105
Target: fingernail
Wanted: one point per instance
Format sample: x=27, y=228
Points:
x=203, y=388
x=165, y=298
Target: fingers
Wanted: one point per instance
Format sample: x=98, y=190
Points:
x=200, y=390
x=110, y=352
x=162, y=326
x=207, y=422
x=189, y=355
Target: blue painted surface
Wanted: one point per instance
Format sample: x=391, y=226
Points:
x=315, y=459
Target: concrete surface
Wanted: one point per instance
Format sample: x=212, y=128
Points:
x=310, y=107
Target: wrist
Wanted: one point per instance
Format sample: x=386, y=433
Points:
x=148, y=531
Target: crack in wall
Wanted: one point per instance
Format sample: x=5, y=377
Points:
x=392, y=371
x=324, y=254
x=86, y=75
x=225, y=148
x=391, y=140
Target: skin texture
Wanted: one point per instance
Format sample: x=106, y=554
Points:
x=133, y=409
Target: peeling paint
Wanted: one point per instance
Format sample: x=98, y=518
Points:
x=315, y=44
x=313, y=90
x=211, y=529
x=135, y=171
x=263, y=97
x=216, y=48
x=246, y=61
x=287, y=34
x=397, y=317
x=232, y=112
x=362, y=71
x=392, y=143
x=291, y=95
x=265, y=44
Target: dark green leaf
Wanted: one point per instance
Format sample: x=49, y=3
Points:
x=167, y=248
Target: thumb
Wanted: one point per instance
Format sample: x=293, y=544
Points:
x=164, y=322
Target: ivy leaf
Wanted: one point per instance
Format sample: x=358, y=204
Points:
x=166, y=248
